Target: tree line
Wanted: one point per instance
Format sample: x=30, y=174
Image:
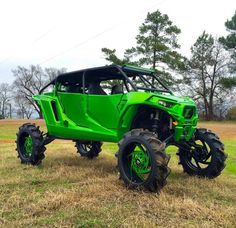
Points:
x=208, y=75
x=16, y=98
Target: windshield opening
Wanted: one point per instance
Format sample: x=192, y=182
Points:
x=148, y=82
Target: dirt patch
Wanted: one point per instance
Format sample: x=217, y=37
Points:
x=19, y=122
x=226, y=131
x=6, y=141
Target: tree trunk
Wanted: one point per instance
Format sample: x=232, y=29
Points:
x=154, y=65
x=206, y=108
x=3, y=110
x=210, y=114
x=10, y=110
x=37, y=109
x=210, y=108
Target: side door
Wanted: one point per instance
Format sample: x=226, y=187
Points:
x=103, y=108
x=74, y=104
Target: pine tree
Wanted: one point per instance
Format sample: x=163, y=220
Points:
x=229, y=43
x=156, y=47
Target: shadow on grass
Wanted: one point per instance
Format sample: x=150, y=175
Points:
x=107, y=165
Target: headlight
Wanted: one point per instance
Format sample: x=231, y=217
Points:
x=189, y=112
x=165, y=104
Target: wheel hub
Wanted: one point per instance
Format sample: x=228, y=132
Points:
x=200, y=154
x=140, y=162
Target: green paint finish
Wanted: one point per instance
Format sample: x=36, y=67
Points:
x=104, y=109
x=108, y=117
x=140, y=162
x=74, y=105
x=28, y=146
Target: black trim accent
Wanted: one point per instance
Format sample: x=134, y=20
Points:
x=83, y=81
x=45, y=87
x=48, y=139
x=54, y=108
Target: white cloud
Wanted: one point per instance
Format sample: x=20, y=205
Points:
x=75, y=31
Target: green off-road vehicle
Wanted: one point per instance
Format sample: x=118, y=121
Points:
x=130, y=106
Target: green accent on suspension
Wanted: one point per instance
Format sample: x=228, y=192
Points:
x=140, y=161
x=28, y=145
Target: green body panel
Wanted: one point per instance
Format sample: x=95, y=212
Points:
x=108, y=117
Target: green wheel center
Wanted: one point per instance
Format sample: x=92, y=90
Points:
x=140, y=162
x=28, y=145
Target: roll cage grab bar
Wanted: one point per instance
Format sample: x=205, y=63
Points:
x=54, y=82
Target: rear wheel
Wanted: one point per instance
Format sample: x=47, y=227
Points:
x=204, y=156
x=88, y=149
x=142, y=160
x=29, y=144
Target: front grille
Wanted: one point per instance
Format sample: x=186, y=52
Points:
x=188, y=112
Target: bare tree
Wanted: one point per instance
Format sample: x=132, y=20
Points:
x=5, y=97
x=208, y=65
x=51, y=72
x=29, y=81
x=23, y=108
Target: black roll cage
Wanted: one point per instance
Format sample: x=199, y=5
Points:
x=127, y=79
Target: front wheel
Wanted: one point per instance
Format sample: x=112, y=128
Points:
x=29, y=144
x=142, y=161
x=204, y=156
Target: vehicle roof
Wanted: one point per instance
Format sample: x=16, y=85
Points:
x=100, y=73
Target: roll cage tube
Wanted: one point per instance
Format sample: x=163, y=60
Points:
x=123, y=74
x=146, y=83
x=145, y=80
x=83, y=81
x=46, y=86
x=154, y=75
x=153, y=89
x=127, y=79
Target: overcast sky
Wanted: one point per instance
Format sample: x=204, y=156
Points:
x=71, y=33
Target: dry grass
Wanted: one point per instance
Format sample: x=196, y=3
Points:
x=226, y=130
x=71, y=191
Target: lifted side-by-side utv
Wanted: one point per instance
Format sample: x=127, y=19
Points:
x=130, y=106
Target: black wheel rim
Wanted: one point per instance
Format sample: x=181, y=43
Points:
x=86, y=147
x=199, y=156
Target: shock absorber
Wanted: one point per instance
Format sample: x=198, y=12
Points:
x=155, y=117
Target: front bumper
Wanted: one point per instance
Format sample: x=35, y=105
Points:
x=184, y=132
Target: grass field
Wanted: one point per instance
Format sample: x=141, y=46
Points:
x=71, y=191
